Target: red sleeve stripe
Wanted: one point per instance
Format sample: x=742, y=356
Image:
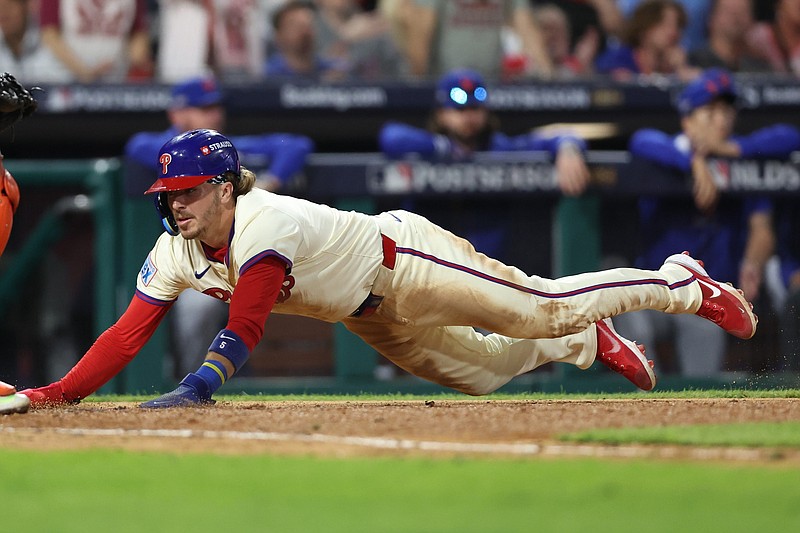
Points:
x=154, y=301
x=263, y=255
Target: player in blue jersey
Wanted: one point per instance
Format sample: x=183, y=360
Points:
x=198, y=103
x=274, y=157
x=460, y=125
x=736, y=231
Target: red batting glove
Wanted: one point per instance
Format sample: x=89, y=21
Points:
x=49, y=396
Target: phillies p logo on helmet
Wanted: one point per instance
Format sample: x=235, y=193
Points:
x=165, y=160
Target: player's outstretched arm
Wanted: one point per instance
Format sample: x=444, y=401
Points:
x=112, y=350
x=252, y=302
x=660, y=148
x=399, y=140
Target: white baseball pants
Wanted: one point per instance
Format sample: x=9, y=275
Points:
x=441, y=287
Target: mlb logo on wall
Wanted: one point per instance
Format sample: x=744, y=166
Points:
x=148, y=271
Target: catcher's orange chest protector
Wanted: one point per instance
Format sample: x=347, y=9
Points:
x=9, y=200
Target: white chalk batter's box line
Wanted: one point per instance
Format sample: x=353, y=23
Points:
x=520, y=449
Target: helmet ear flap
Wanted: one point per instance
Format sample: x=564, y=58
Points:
x=167, y=220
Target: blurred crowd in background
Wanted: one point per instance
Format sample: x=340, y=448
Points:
x=117, y=41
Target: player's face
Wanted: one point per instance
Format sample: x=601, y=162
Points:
x=13, y=18
x=719, y=116
x=555, y=32
x=665, y=34
x=296, y=32
x=464, y=124
x=732, y=18
x=197, y=211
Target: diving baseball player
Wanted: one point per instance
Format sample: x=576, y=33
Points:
x=407, y=287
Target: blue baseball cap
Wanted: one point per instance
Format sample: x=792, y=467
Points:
x=711, y=84
x=195, y=92
x=461, y=88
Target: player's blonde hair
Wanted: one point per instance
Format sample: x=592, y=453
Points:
x=245, y=183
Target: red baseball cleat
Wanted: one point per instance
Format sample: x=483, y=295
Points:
x=623, y=356
x=723, y=304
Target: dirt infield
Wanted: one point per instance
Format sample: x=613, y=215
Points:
x=352, y=428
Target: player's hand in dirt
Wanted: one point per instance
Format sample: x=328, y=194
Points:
x=49, y=396
x=191, y=392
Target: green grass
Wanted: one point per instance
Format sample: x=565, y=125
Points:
x=784, y=434
x=103, y=491
x=685, y=394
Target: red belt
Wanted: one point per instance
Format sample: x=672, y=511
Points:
x=389, y=252
x=372, y=301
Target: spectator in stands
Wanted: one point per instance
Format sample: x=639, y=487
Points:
x=239, y=39
x=650, y=44
x=226, y=37
x=778, y=42
x=399, y=15
x=603, y=16
x=557, y=36
x=445, y=35
x=104, y=40
x=184, y=40
x=694, y=34
x=729, y=23
x=361, y=39
x=21, y=50
x=198, y=103
x=461, y=125
x=295, y=42
x=736, y=232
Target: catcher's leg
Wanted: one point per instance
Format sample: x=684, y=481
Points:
x=11, y=401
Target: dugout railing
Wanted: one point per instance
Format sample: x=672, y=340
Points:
x=125, y=224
